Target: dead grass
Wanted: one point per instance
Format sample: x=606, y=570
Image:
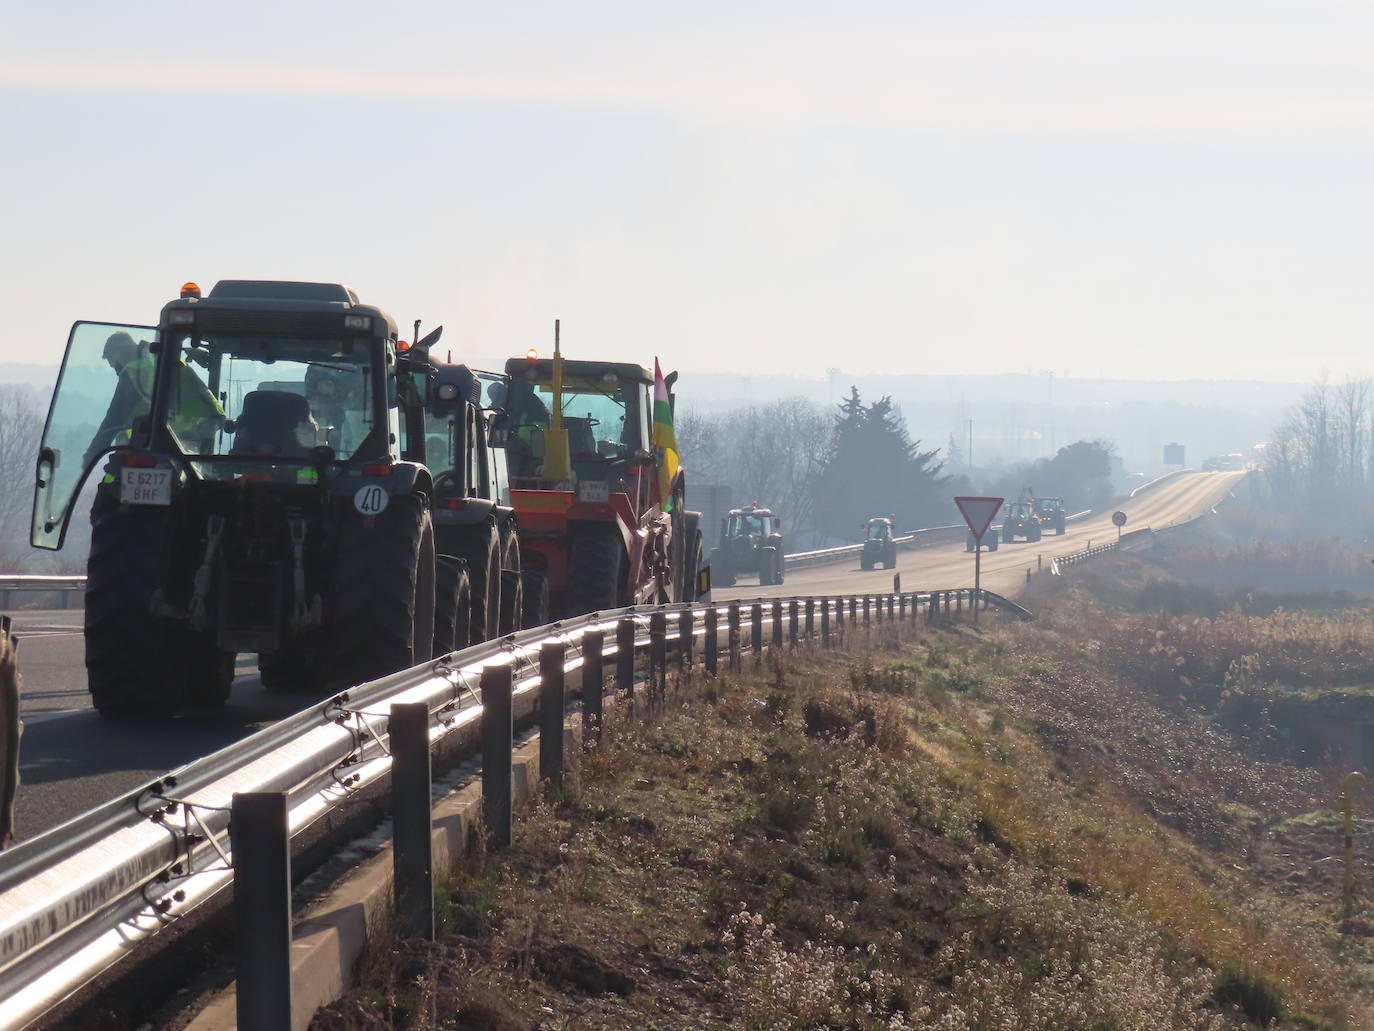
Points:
x=1010, y=829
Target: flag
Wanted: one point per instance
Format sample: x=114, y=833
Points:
x=665, y=441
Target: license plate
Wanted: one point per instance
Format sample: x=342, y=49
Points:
x=593, y=491
x=145, y=486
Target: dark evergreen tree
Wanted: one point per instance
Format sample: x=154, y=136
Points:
x=873, y=468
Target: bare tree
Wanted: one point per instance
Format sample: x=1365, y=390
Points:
x=21, y=426
x=766, y=453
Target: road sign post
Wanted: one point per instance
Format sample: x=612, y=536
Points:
x=1119, y=520
x=978, y=513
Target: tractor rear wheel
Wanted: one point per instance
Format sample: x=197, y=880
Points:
x=452, y=606
x=481, y=549
x=535, y=611
x=209, y=671
x=133, y=664
x=768, y=561
x=595, y=570
x=384, y=595
x=512, y=601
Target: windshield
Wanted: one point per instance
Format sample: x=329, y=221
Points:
x=879, y=531
x=604, y=421
x=1046, y=504
x=1019, y=508
x=270, y=397
x=753, y=525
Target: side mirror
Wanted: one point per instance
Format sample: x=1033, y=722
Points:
x=499, y=431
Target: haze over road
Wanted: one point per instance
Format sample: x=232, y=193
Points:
x=72, y=759
x=940, y=566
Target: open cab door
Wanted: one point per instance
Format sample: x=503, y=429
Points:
x=70, y=447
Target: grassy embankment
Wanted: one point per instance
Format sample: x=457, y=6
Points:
x=1051, y=825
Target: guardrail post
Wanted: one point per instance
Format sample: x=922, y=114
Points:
x=712, y=641
x=498, y=734
x=825, y=620
x=412, y=857
x=1039, y=562
x=896, y=583
x=732, y=616
x=260, y=839
x=593, y=684
x=853, y=610
x=658, y=659
x=756, y=631
x=777, y=624
x=792, y=623
x=866, y=614
x=552, y=701
x=959, y=602
x=891, y=608
x=686, y=638
x=901, y=607
x=810, y=619
x=625, y=657
x=1028, y=574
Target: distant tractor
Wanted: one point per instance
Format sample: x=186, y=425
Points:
x=1050, y=512
x=879, y=546
x=260, y=493
x=750, y=542
x=597, y=534
x=990, y=540
x=1030, y=517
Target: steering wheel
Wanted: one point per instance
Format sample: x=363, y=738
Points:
x=446, y=480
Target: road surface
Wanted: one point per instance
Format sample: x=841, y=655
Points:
x=1176, y=499
x=71, y=760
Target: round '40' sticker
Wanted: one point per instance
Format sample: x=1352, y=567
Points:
x=371, y=500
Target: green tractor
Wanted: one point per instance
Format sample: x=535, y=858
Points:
x=751, y=541
x=879, y=546
x=260, y=492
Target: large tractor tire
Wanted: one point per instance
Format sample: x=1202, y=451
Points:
x=1034, y=535
x=384, y=595
x=992, y=542
x=290, y=670
x=209, y=671
x=452, y=606
x=778, y=562
x=133, y=664
x=721, y=570
x=865, y=562
x=1008, y=535
x=768, y=566
x=512, y=601
x=480, y=546
x=596, y=566
x=691, y=572
x=535, y=610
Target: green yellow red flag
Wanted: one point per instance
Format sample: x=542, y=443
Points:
x=665, y=440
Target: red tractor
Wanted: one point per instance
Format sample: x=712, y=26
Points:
x=584, y=484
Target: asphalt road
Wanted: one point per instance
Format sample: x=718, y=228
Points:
x=942, y=566
x=71, y=760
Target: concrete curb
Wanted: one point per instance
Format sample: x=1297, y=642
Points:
x=330, y=939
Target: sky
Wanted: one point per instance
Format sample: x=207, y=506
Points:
x=1127, y=190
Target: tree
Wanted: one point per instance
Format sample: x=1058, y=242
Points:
x=21, y=426
x=766, y=453
x=872, y=468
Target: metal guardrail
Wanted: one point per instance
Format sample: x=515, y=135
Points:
x=65, y=585
x=82, y=896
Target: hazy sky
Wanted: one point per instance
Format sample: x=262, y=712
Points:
x=1151, y=190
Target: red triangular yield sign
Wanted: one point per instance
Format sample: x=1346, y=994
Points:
x=979, y=513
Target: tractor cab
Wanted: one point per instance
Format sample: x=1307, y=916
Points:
x=879, y=529
x=604, y=418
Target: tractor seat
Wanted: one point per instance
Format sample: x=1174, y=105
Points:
x=274, y=422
